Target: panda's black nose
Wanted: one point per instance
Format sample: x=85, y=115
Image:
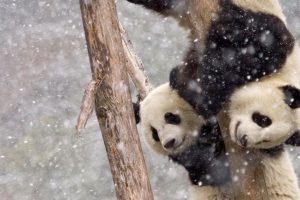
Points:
x=170, y=144
x=244, y=140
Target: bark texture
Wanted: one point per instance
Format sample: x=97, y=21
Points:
x=113, y=101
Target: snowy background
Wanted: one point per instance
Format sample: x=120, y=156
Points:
x=44, y=69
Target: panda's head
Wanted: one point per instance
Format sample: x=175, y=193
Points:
x=169, y=124
x=264, y=115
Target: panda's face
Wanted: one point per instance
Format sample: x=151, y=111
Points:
x=264, y=116
x=171, y=135
x=168, y=123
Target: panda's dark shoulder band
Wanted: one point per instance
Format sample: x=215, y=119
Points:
x=273, y=152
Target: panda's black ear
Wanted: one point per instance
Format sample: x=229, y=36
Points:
x=136, y=109
x=291, y=96
x=294, y=140
x=173, y=78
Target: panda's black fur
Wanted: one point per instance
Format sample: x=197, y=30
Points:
x=294, y=140
x=241, y=46
x=206, y=161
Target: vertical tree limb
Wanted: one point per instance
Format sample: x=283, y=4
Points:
x=135, y=67
x=113, y=102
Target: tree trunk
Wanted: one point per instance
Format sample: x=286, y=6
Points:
x=113, y=101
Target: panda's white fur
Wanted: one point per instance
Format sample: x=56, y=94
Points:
x=270, y=7
x=153, y=108
x=207, y=193
x=280, y=178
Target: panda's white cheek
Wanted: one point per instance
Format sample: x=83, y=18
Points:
x=257, y=132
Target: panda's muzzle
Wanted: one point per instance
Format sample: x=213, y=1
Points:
x=172, y=144
x=243, y=140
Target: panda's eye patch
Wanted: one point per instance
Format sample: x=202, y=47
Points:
x=261, y=120
x=155, y=134
x=172, y=118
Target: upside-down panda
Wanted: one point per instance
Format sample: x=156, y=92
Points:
x=267, y=114
x=263, y=116
x=232, y=43
x=172, y=128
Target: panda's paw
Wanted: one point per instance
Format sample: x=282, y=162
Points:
x=206, y=163
x=210, y=133
x=136, y=109
x=216, y=174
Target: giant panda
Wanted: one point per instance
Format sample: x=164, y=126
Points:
x=268, y=109
x=232, y=42
x=172, y=128
x=263, y=116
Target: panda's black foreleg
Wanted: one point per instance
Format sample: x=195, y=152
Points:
x=156, y=5
x=206, y=98
x=206, y=161
x=213, y=100
x=205, y=93
x=294, y=140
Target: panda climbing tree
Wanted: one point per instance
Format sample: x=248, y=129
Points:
x=171, y=127
x=236, y=44
x=233, y=43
